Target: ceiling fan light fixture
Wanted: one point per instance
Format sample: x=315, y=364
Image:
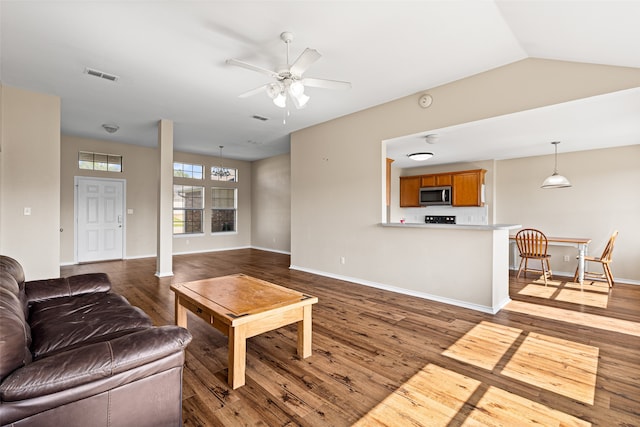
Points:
x=280, y=100
x=273, y=90
x=300, y=100
x=556, y=180
x=296, y=88
x=420, y=157
x=290, y=82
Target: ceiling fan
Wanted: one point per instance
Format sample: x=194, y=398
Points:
x=289, y=81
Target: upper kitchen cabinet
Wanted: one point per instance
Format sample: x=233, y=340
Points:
x=435, y=180
x=410, y=191
x=467, y=188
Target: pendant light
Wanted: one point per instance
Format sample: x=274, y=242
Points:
x=220, y=171
x=556, y=180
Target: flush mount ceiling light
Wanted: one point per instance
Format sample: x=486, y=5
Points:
x=419, y=157
x=111, y=128
x=556, y=180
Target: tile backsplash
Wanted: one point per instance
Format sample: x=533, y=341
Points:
x=464, y=215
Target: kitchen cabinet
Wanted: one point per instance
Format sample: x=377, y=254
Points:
x=435, y=180
x=468, y=188
x=410, y=191
x=389, y=161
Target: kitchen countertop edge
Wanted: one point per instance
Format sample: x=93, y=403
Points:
x=452, y=226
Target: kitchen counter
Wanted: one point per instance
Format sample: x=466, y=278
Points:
x=464, y=265
x=452, y=226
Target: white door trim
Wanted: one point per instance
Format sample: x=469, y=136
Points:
x=76, y=182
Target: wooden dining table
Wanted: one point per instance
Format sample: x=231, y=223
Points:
x=582, y=243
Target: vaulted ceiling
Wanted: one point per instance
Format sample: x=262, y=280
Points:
x=170, y=58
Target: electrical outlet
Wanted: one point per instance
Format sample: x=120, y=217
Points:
x=343, y=260
x=566, y=258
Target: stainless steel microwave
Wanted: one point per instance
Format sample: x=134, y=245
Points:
x=430, y=196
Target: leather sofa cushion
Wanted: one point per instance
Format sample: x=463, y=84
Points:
x=8, y=282
x=94, y=362
x=40, y=290
x=12, y=267
x=15, y=336
x=62, y=323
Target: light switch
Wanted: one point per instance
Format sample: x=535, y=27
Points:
x=129, y=211
x=27, y=211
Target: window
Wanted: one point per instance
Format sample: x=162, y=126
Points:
x=224, y=174
x=187, y=170
x=188, y=209
x=99, y=161
x=223, y=209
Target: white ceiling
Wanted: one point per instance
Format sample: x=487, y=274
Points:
x=170, y=57
x=610, y=120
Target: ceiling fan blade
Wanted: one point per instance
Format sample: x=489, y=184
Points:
x=253, y=91
x=325, y=84
x=252, y=67
x=304, y=61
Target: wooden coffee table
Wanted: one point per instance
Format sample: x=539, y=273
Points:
x=241, y=307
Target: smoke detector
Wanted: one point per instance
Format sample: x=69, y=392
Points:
x=431, y=138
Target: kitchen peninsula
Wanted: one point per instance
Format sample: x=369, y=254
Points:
x=464, y=265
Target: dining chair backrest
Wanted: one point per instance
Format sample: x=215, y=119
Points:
x=608, y=250
x=531, y=242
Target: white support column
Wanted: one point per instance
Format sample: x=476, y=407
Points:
x=164, y=260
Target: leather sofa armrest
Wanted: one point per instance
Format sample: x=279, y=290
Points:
x=40, y=290
x=83, y=365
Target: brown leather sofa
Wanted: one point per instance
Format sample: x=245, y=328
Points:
x=73, y=353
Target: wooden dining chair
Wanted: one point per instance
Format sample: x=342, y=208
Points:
x=532, y=244
x=604, y=259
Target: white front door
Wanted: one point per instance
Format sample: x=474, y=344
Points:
x=99, y=219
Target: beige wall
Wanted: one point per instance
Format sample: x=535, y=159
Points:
x=337, y=167
x=604, y=197
x=271, y=203
x=140, y=170
x=30, y=178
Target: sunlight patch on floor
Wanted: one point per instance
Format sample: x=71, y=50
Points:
x=575, y=317
x=576, y=296
x=561, y=366
x=432, y=397
x=594, y=295
x=484, y=345
x=501, y=408
x=435, y=396
x=535, y=290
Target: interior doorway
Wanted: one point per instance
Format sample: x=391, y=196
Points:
x=100, y=225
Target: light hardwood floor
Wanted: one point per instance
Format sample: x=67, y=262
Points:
x=554, y=356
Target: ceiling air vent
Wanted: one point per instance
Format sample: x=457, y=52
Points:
x=261, y=118
x=101, y=74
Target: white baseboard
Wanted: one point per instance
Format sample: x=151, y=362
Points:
x=271, y=250
x=457, y=303
x=571, y=273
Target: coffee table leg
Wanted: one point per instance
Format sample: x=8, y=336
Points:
x=181, y=314
x=304, y=333
x=237, y=355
